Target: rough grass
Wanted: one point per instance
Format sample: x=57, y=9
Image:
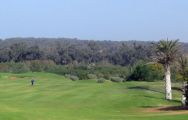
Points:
x=57, y=98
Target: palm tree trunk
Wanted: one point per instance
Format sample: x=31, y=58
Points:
x=183, y=99
x=168, y=90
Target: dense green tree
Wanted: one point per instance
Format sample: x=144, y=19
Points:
x=183, y=70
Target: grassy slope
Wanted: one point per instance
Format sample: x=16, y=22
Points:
x=56, y=98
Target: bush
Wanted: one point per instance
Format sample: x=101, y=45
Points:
x=143, y=72
x=101, y=80
x=72, y=77
x=116, y=79
x=92, y=76
x=18, y=67
x=109, y=71
x=4, y=67
x=40, y=65
x=80, y=71
x=14, y=67
x=82, y=74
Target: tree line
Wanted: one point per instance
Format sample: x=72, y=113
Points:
x=67, y=51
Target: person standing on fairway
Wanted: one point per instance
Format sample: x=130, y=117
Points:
x=32, y=82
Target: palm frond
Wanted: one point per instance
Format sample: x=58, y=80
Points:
x=166, y=51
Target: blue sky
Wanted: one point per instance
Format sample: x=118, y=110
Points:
x=95, y=19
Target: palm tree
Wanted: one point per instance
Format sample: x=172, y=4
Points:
x=166, y=53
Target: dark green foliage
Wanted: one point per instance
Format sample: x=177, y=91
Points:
x=146, y=72
x=129, y=54
x=82, y=74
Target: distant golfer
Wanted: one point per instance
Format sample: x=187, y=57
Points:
x=32, y=82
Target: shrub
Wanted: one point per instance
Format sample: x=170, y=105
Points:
x=92, y=76
x=18, y=67
x=109, y=71
x=143, y=72
x=35, y=65
x=116, y=79
x=59, y=69
x=40, y=65
x=101, y=80
x=72, y=77
x=67, y=76
x=4, y=67
x=82, y=74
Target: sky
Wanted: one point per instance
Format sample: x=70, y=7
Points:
x=95, y=19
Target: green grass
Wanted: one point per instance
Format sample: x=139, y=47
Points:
x=56, y=98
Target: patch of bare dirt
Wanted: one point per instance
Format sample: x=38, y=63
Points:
x=170, y=110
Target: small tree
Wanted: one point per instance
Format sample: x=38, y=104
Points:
x=166, y=53
x=183, y=70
